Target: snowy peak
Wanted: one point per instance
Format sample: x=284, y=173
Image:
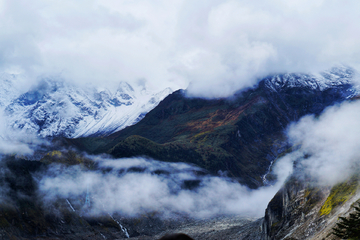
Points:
x=125, y=88
x=57, y=108
x=338, y=73
x=335, y=77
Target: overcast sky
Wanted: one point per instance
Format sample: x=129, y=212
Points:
x=216, y=46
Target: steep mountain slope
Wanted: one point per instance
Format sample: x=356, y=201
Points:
x=57, y=108
x=239, y=136
x=303, y=209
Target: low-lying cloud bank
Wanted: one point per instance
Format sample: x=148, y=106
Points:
x=215, y=47
x=136, y=186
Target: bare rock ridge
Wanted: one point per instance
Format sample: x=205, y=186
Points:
x=304, y=210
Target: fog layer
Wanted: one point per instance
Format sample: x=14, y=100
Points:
x=136, y=186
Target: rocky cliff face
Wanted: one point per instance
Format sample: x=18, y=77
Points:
x=304, y=210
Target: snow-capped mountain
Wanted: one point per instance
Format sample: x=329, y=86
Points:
x=335, y=77
x=57, y=108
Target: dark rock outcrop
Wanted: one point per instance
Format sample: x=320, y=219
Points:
x=303, y=209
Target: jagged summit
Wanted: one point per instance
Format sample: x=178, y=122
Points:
x=57, y=108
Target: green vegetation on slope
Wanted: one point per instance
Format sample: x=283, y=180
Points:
x=68, y=158
x=234, y=135
x=339, y=194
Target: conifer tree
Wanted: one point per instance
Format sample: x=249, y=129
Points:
x=349, y=228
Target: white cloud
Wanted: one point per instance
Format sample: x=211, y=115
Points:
x=134, y=192
x=218, y=46
x=331, y=141
x=17, y=141
x=14, y=142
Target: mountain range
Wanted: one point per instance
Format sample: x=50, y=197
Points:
x=238, y=138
